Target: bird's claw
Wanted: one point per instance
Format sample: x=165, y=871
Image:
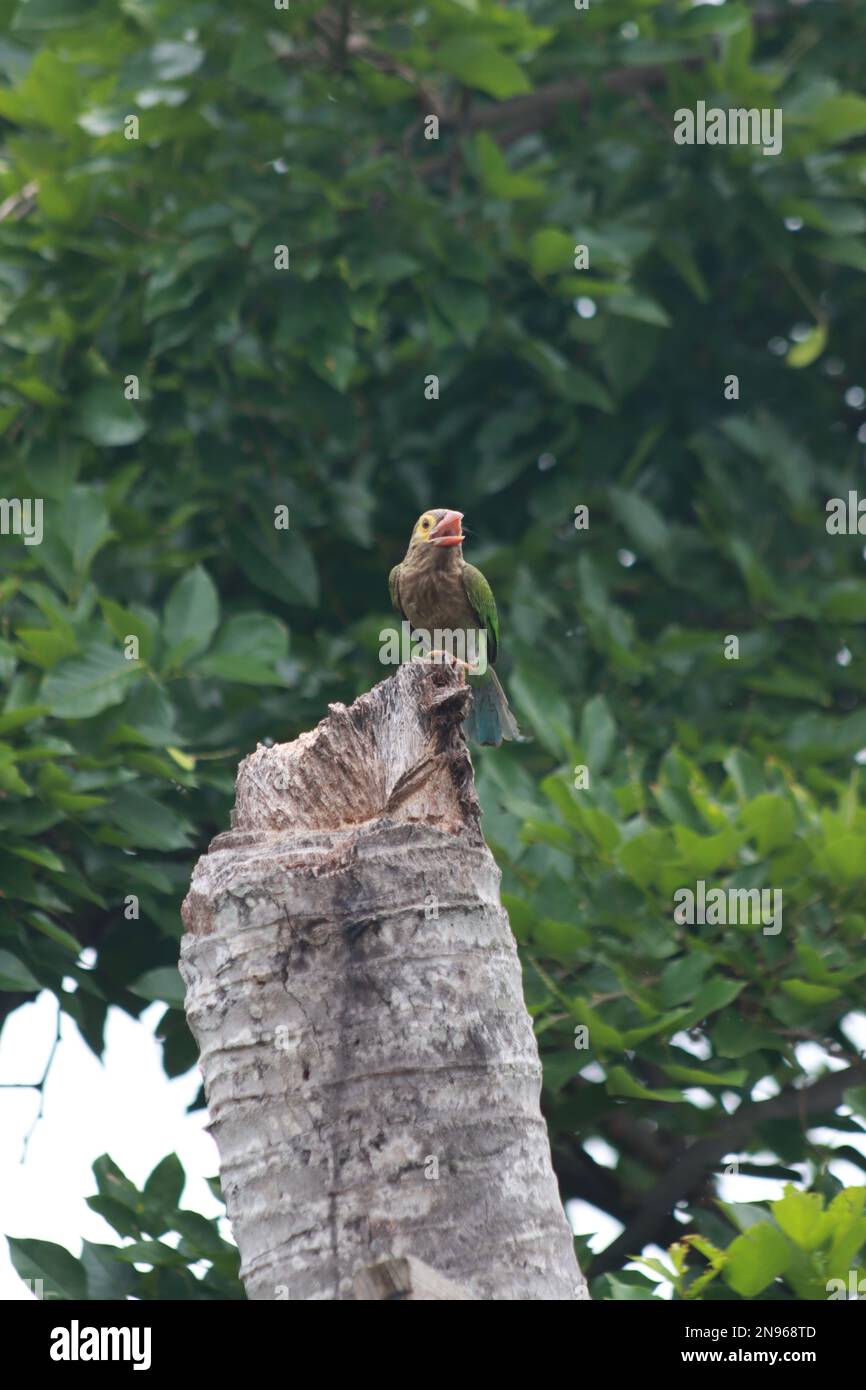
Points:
x=440, y=657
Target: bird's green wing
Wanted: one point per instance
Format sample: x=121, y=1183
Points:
x=394, y=590
x=480, y=595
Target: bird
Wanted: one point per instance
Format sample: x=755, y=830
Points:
x=434, y=589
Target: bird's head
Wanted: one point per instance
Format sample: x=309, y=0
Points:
x=438, y=527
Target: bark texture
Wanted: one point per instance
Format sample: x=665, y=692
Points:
x=408, y=1280
x=353, y=985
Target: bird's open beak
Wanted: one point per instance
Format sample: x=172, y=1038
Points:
x=448, y=531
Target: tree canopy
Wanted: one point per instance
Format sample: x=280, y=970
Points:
x=275, y=278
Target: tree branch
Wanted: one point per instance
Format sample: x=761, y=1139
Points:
x=706, y=1153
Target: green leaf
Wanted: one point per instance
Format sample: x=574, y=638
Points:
x=807, y=993
x=200, y=1234
x=46, y=646
x=151, y=1252
x=191, y=616
x=626, y=1287
x=146, y=822
x=551, y=250
x=645, y=524
x=838, y=118
x=121, y=1218
x=602, y=1037
x=804, y=353
x=108, y=1278
x=845, y=601
x=557, y=939
x=478, y=64
x=15, y=975
x=17, y=718
x=547, y=832
x=684, y=263
x=770, y=820
x=841, y=857
x=62, y=1275
x=464, y=305
x=621, y=1083
x=755, y=1259
x=86, y=527
x=703, y=855
x=105, y=417
x=699, y=1076
x=148, y=716
x=44, y=924
x=843, y=250
x=597, y=734
x=44, y=856
x=545, y=706
x=497, y=176
x=85, y=685
x=163, y=985
x=714, y=995
x=164, y=1187
x=52, y=14
x=640, y=307
x=728, y=20
x=746, y=773
x=124, y=623
x=247, y=649
x=802, y=1217
x=734, y=1038
x=642, y=856
x=682, y=978
x=278, y=562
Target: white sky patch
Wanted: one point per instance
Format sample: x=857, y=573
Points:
x=854, y=1028
x=765, y=1089
x=598, y=1225
x=740, y=1187
x=699, y=1047
x=602, y=1152
x=593, y=1072
x=126, y=1108
x=813, y=1058
x=696, y=1095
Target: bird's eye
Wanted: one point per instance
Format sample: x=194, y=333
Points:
x=425, y=524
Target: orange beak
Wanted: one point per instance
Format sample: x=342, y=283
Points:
x=448, y=531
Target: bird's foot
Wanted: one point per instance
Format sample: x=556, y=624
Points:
x=440, y=657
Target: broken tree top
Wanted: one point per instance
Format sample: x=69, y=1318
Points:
x=353, y=985
x=396, y=753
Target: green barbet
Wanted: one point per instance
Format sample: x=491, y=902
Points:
x=435, y=590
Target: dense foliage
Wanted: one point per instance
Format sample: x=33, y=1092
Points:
x=166, y=386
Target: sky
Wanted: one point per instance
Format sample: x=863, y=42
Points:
x=126, y=1107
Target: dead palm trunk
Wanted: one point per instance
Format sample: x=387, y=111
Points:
x=371, y=1071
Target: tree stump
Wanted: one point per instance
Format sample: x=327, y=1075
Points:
x=371, y=1071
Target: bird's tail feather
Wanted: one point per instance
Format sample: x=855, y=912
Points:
x=490, y=719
